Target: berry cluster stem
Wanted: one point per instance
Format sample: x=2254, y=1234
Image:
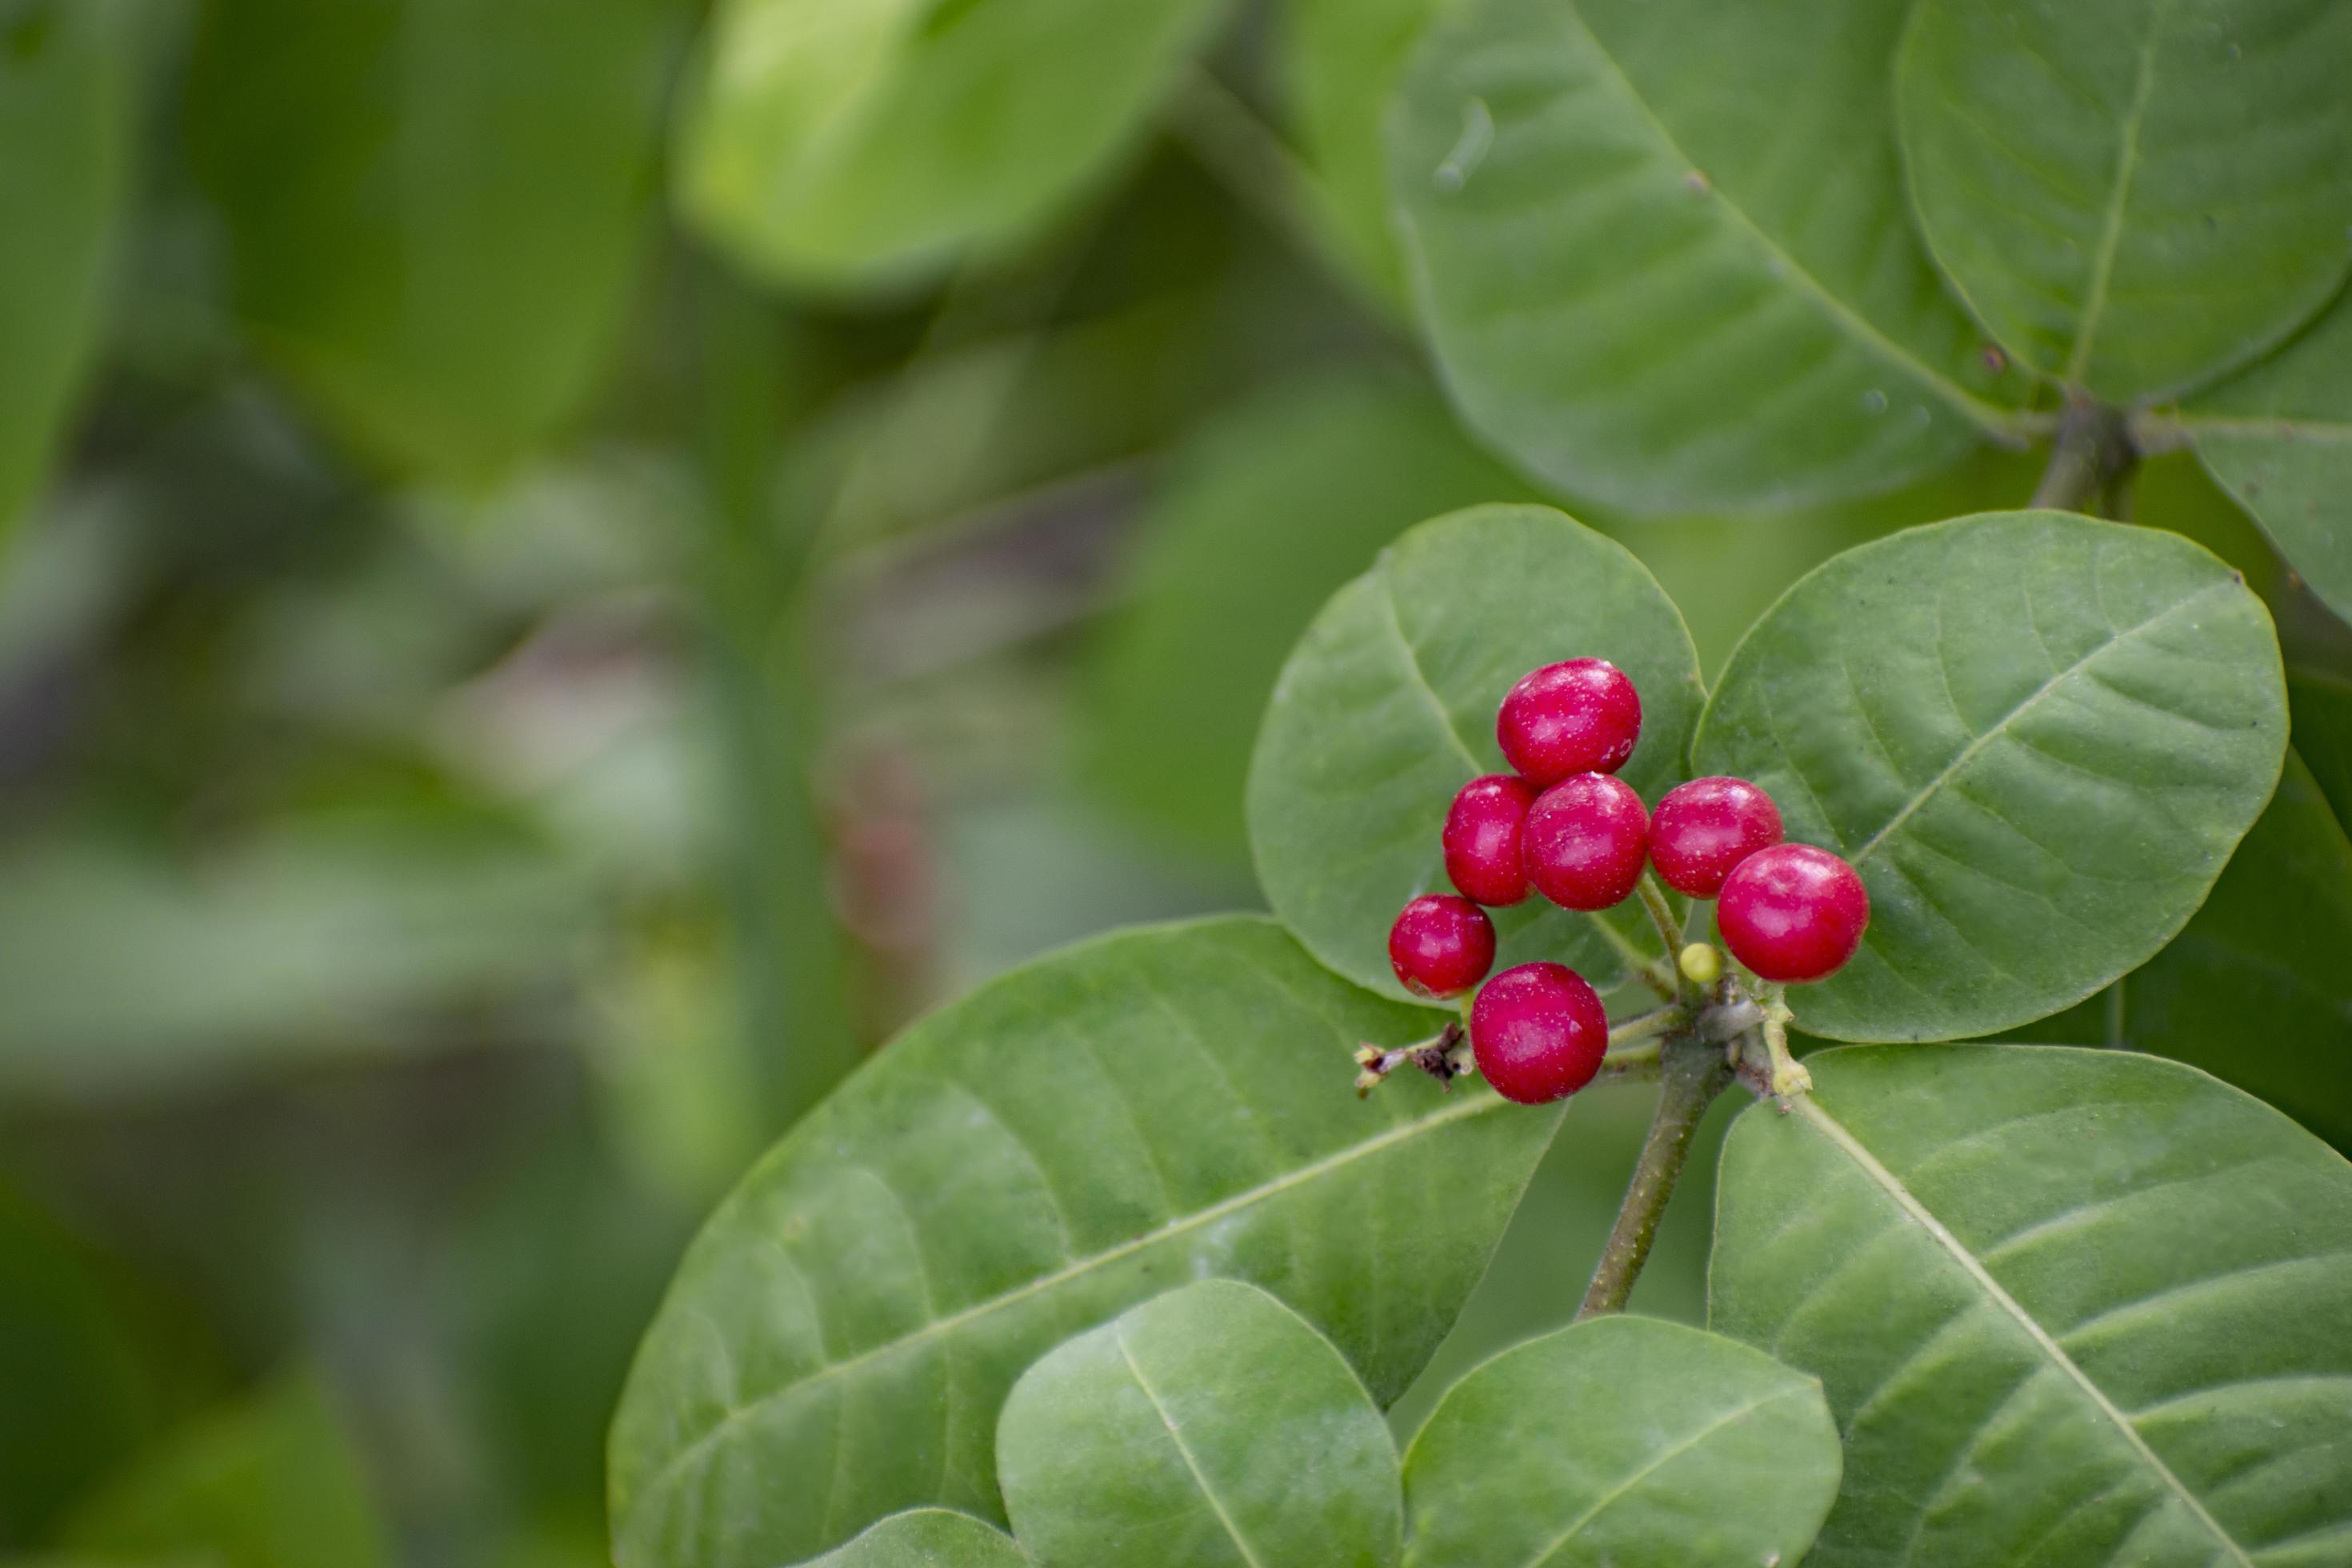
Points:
x=1670, y=931
x=1692, y=1075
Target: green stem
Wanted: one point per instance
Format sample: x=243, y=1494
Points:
x=1660, y=979
x=1648, y=1026
x=1670, y=931
x=2091, y=467
x=1693, y=1077
x=788, y=952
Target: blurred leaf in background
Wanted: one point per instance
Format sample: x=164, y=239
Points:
x=864, y=142
x=269, y=1482
x=1265, y=511
x=124, y=972
x=67, y=107
x=434, y=210
x=92, y=1365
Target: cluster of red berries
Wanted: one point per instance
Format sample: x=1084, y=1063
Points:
x=1564, y=826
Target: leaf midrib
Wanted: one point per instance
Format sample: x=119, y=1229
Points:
x=2001, y=726
x=680, y=1462
x=1987, y=416
x=1809, y=1107
x=2111, y=228
x=1542, y=1559
x=1183, y=1450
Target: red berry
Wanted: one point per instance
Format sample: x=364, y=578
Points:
x=1793, y=912
x=1482, y=838
x=1580, y=717
x=1585, y=841
x=1706, y=827
x=1538, y=1032
x=1441, y=945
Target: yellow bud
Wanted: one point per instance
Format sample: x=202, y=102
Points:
x=1702, y=963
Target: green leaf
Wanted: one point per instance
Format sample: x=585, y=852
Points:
x=2077, y=1306
x=1070, y=1140
x=2255, y=990
x=1268, y=510
x=89, y=1362
x=2279, y=439
x=269, y=1483
x=1387, y=708
x=1209, y=1427
x=434, y=209
x=1342, y=62
x=2133, y=198
x=129, y=974
x=927, y=1538
x=66, y=130
x=2321, y=702
x=1655, y=274
x=2037, y=736
x=1625, y=1441
x=862, y=143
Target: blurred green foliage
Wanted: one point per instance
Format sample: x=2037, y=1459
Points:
x=520, y=664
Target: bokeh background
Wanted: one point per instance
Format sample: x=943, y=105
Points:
x=507, y=692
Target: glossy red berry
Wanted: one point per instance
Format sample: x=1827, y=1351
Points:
x=1585, y=842
x=1578, y=717
x=1441, y=945
x=1793, y=912
x=1482, y=838
x=1706, y=827
x=1538, y=1032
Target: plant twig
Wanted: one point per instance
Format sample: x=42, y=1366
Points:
x=1693, y=1078
x=1670, y=932
x=2092, y=465
x=1642, y=1064
x=1647, y=1026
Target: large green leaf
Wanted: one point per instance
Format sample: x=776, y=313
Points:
x=2279, y=439
x=861, y=142
x=435, y=208
x=1655, y=274
x=1387, y=708
x=927, y=1538
x=1267, y=512
x=271, y=1482
x=1210, y=1428
x=2070, y=1307
x=1072, y=1138
x=2038, y=738
x=65, y=142
x=1625, y=1441
x=2134, y=196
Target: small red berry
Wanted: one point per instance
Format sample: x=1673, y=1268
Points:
x=1538, y=1032
x=1706, y=827
x=1578, y=717
x=1793, y=912
x=1482, y=838
x=1441, y=945
x=1585, y=841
